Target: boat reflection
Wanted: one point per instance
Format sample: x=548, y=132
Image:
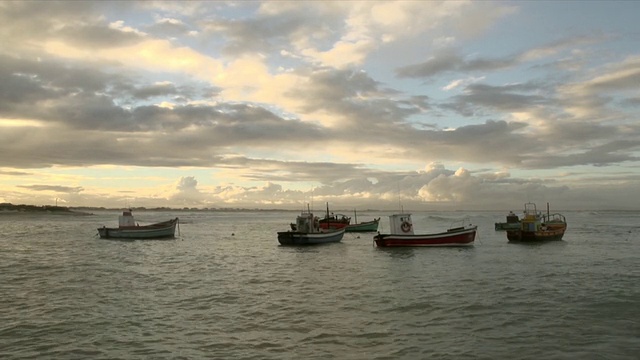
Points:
x=398, y=253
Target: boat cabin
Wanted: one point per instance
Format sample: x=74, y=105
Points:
x=535, y=221
x=126, y=219
x=512, y=218
x=401, y=224
x=307, y=223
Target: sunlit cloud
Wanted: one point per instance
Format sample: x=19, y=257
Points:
x=267, y=104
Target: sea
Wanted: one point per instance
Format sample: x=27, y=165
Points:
x=225, y=289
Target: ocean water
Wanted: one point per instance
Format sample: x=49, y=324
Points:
x=225, y=289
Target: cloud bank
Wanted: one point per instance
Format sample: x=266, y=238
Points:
x=261, y=104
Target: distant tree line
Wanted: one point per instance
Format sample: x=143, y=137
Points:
x=33, y=208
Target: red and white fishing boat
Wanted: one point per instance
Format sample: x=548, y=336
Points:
x=402, y=235
x=334, y=221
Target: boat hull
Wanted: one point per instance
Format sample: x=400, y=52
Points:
x=532, y=236
x=161, y=230
x=453, y=237
x=369, y=226
x=332, y=225
x=299, y=238
x=507, y=226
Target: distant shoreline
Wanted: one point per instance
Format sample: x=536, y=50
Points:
x=7, y=209
x=87, y=210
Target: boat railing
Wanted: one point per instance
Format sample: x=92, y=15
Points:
x=556, y=217
x=459, y=224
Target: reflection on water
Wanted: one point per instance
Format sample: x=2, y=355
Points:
x=397, y=253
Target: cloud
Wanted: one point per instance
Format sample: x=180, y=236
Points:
x=54, y=188
x=510, y=98
x=187, y=192
x=169, y=27
x=262, y=99
x=449, y=188
x=450, y=60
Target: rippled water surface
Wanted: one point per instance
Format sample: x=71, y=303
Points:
x=225, y=289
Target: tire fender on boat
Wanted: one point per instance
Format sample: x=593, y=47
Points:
x=406, y=226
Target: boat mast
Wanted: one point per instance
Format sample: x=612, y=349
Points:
x=548, y=211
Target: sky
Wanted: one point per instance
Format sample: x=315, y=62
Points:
x=423, y=105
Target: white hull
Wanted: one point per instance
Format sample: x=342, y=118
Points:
x=297, y=238
x=165, y=229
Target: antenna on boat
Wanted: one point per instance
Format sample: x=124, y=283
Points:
x=311, y=198
x=399, y=199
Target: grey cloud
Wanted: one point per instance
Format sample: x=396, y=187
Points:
x=18, y=90
x=146, y=92
x=67, y=91
x=610, y=153
x=97, y=118
x=277, y=170
x=330, y=85
x=625, y=76
x=632, y=102
x=384, y=121
x=85, y=98
x=152, y=136
x=268, y=31
x=195, y=91
x=449, y=60
x=582, y=133
x=57, y=76
x=168, y=27
x=55, y=188
x=78, y=22
x=507, y=98
x=358, y=100
x=14, y=173
x=96, y=36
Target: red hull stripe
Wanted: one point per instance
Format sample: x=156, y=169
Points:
x=458, y=238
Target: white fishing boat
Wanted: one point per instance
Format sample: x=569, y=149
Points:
x=308, y=232
x=402, y=235
x=128, y=228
